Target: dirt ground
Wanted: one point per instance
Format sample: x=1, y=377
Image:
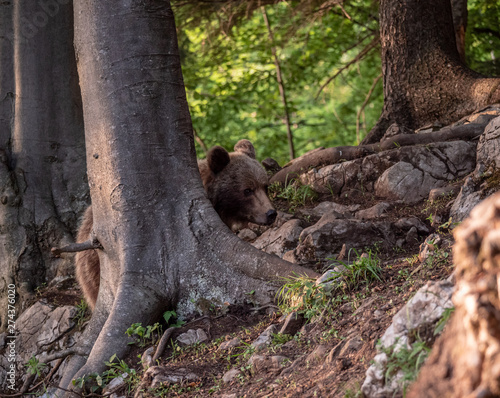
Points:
x=364, y=311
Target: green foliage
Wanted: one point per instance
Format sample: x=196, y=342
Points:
x=35, y=366
x=231, y=78
x=294, y=193
x=280, y=338
x=482, y=39
x=145, y=335
x=444, y=320
x=303, y=295
x=116, y=368
x=172, y=315
x=407, y=360
x=81, y=313
x=364, y=269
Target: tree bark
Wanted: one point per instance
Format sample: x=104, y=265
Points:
x=42, y=154
x=424, y=79
x=163, y=244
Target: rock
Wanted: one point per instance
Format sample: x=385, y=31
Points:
x=407, y=223
x=433, y=165
x=351, y=345
x=158, y=375
x=375, y=211
x=282, y=218
x=430, y=245
x=334, y=353
x=421, y=312
x=247, y=235
x=318, y=355
x=227, y=345
x=192, y=337
x=116, y=383
x=230, y=375
x=265, y=338
x=488, y=147
x=40, y=326
x=412, y=235
x=273, y=364
x=468, y=198
x=331, y=207
x=402, y=181
x=326, y=237
x=280, y=240
x=444, y=192
x=293, y=322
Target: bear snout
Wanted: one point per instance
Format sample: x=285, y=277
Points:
x=271, y=216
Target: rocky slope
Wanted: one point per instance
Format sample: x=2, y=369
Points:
x=380, y=229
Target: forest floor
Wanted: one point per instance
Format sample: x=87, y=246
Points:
x=363, y=311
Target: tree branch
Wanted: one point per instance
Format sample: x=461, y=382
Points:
x=77, y=247
x=365, y=51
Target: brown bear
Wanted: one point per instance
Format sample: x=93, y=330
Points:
x=236, y=185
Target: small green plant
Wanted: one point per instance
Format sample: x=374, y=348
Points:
x=35, y=367
x=81, y=312
x=280, y=338
x=363, y=269
x=145, y=335
x=404, y=359
x=294, y=193
x=303, y=295
x=444, y=320
x=172, y=315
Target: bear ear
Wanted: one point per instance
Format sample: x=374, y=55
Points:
x=246, y=147
x=217, y=159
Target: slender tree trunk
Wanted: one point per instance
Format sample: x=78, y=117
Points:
x=163, y=244
x=281, y=86
x=424, y=79
x=42, y=153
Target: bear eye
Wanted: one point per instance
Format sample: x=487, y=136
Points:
x=247, y=192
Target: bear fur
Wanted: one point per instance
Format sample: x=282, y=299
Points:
x=235, y=184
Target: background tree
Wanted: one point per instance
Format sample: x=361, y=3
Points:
x=424, y=78
x=42, y=158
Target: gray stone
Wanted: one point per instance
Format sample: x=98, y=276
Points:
x=265, y=338
x=412, y=235
x=434, y=165
x=247, y=235
x=40, y=326
x=116, y=383
x=328, y=235
x=293, y=322
x=192, y=337
x=230, y=375
x=402, y=181
x=488, y=147
x=444, y=192
x=318, y=355
x=468, y=198
x=331, y=207
x=227, y=345
x=375, y=211
x=352, y=345
x=407, y=223
x=280, y=240
x=423, y=310
x=275, y=363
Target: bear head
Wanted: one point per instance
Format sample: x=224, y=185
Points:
x=236, y=185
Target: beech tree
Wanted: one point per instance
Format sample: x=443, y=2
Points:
x=163, y=244
x=42, y=154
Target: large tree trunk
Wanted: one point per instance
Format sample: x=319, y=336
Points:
x=163, y=244
x=42, y=153
x=424, y=79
